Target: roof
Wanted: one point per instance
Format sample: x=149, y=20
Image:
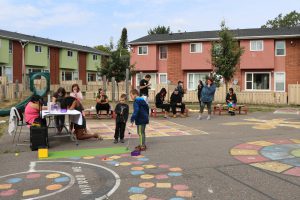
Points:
x=254, y=33
x=49, y=42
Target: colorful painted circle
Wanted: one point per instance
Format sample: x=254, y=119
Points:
x=33, y=176
x=55, y=175
x=280, y=156
x=54, y=187
x=138, y=197
x=7, y=193
x=180, y=187
x=147, y=184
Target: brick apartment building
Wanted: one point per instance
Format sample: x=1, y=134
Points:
x=271, y=60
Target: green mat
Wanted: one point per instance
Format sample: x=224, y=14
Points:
x=86, y=152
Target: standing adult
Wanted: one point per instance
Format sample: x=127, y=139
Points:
x=145, y=86
x=76, y=93
x=199, y=88
x=58, y=98
x=102, y=102
x=207, y=95
x=159, y=101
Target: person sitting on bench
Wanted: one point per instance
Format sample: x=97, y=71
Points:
x=159, y=101
x=102, y=102
x=231, y=101
x=176, y=102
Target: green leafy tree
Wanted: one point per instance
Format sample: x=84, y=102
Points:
x=124, y=39
x=291, y=19
x=104, y=48
x=225, y=54
x=159, y=30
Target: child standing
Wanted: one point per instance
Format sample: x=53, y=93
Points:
x=122, y=110
x=140, y=116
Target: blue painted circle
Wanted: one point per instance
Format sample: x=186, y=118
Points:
x=175, y=174
x=135, y=173
x=62, y=179
x=14, y=180
x=177, y=198
x=143, y=159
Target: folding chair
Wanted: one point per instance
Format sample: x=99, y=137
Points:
x=18, y=123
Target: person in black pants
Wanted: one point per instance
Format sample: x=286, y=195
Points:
x=159, y=101
x=122, y=111
x=102, y=103
x=200, y=87
x=176, y=102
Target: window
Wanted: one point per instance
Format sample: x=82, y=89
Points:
x=258, y=81
x=163, y=78
x=91, y=76
x=256, y=45
x=69, y=75
x=48, y=52
x=279, y=78
x=280, y=48
x=70, y=53
x=8, y=73
x=193, y=79
x=95, y=57
x=10, y=47
x=38, y=48
x=163, y=52
x=152, y=80
x=196, y=48
x=143, y=50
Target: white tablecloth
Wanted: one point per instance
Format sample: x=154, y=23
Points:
x=74, y=115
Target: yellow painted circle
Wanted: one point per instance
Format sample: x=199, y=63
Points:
x=53, y=175
x=175, y=169
x=149, y=166
x=140, y=156
x=137, y=168
x=146, y=185
x=138, y=197
x=115, y=157
x=125, y=163
x=147, y=176
x=89, y=157
x=54, y=187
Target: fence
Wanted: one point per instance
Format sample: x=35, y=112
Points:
x=294, y=94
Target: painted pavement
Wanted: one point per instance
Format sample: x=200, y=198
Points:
x=155, y=129
x=280, y=156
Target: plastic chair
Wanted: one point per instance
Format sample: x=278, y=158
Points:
x=18, y=123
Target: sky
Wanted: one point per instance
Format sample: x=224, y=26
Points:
x=94, y=22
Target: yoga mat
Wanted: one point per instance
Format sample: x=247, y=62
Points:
x=86, y=152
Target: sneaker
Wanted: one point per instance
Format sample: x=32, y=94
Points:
x=116, y=141
x=199, y=117
x=98, y=116
x=166, y=117
x=122, y=141
x=208, y=117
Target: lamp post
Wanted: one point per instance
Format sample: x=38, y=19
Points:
x=23, y=44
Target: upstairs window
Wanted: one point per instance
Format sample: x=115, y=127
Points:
x=280, y=48
x=10, y=48
x=143, y=50
x=163, y=52
x=256, y=45
x=38, y=49
x=95, y=57
x=196, y=48
x=70, y=53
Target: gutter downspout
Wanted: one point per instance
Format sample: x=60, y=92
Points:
x=23, y=44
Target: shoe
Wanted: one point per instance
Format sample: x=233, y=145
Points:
x=208, y=117
x=174, y=116
x=116, y=141
x=122, y=141
x=166, y=117
x=199, y=117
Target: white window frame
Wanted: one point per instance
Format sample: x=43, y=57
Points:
x=198, y=43
x=0, y=43
x=251, y=46
x=153, y=76
x=143, y=54
x=10, y=47
x=165, y=74
x=75, y=75
x=38, y=48
x=71, y=53
x=95, y=57
x=270, y=77
x=160, y=58
x=283, y=47
x=275, y=79
x=188, y=79
x=90, y=72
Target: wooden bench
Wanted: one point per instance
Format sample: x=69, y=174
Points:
x=155, y=111
x=91, y=113
x=224, y=108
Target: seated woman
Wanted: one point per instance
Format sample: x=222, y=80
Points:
x=159, y=101
x=32, y=111
x=231, y=101
x=57, y=98
x=102, y=103
x=176, y=102
x=79, y=130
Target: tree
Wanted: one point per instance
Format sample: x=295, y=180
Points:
x=225, y=54
x=124, y=39
x=159, y=30
x=104, y=48
x=291, y=19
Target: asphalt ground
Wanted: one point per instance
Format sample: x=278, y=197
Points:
x=197, y=166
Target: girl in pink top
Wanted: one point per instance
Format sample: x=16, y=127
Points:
x=32, y=109
x=76, y=92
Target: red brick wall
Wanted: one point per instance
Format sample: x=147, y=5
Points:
x=82, y=67
x=292, y=61
x=54, y=65
x=17, y=61
x=174, y=63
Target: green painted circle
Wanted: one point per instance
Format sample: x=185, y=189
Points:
x=296, y=152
